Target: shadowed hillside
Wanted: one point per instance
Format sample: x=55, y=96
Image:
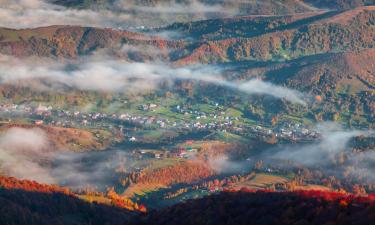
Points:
x=24, y=202
x=265, y=208
x=27, y=202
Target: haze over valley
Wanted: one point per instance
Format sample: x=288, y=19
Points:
x=187, y=112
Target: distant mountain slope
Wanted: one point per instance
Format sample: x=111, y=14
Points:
x=345, y=81
x=337, y=71
x=216, y=41
x=317, y=37
x=340, y=4
x=242, y=26
x=155, y=13
x=73, y=41
x=354, y=70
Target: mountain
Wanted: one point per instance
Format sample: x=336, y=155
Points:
x=241, y=26
x=324, y=53
x=155, y=13
x=286, y=45
x=351, y=71
x=344, y=81
x=214, y=41
x=73, y=41
x=324, y=33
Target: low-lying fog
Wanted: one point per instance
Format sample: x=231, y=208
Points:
x=27, y=153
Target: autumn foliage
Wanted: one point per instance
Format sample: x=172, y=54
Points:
x=28, y=185
x=27, y=202
x=186, y=172
x=123, y=202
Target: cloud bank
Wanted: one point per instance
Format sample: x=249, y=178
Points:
x=331, y=154
x=27, y=154
x=122, y=14
x=37, y=13
x=174, y=7
x=334, y=140
x=120, y=76
x=24, y=153
x=224, y=165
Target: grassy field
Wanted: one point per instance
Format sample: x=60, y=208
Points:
x=98, y=199
x=261, y=181
x=315, y=187
x=141, y=190
x=229, y=137
x=160, y=163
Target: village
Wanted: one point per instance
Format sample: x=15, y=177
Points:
x=193, y=121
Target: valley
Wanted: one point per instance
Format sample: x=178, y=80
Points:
x=183, y=112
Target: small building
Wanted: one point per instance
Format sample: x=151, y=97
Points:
x=152, y=106
x=132, y=139
x=39, y=122
x=181, y=153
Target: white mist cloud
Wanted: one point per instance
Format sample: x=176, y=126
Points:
x=260, y=87
x=334, y=139
x=330, y=154
x=23, y=152
x=118, y=76
x=173, y=7
x=27, y=154
x=133, y=13
x=96, y=169
x=222, y=164
x=37, y=13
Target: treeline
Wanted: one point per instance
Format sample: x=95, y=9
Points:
x=270, y=208
x=32, y=186
x=111, y=197
x=185, y=172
